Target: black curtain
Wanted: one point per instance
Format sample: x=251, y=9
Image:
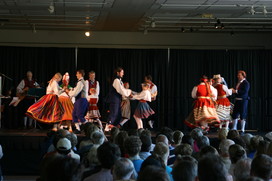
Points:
x=43, y=62
x=136, y=63
x=187, y=66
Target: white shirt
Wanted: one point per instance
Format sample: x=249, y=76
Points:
x=213, y=90
x=53, y=88
x=80, y=85
x=97, y=89
x=21, y=86
x=119, y=87
x=144, y=95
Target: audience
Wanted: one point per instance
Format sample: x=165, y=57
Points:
x=123, y=170
x=224, y=151
x=153, y=173
x=236, y=153
x=261, y=166
x=98, y=139
x=146, y=145
x=242, y=169
x=185, y=171
x=177, y=138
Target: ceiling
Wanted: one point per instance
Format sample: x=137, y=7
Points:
x=137, y=15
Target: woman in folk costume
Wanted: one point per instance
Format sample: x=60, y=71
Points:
x=125, y=107
x=67, y=104
x=223, y=104
x=93, y=113
x=143, y=110
x=48, y=108
x=204, y=111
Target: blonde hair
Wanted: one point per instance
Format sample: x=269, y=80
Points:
x=55, y=77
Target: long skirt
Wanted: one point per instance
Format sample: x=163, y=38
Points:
x=223, y=109
x=67, y=106
x=47, y=109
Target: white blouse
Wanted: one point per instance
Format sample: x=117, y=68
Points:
x=53, y=88
x=144, y=95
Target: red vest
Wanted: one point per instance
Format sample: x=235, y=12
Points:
x=29, y=84
x=92, y=85
x=220, y=91
x=202, y=91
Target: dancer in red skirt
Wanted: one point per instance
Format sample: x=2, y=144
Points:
x=204, y=111
x=48, y=108
x=143, y=110
x=222, y=102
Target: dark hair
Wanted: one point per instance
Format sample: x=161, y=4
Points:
x=183, y=149
x=212, y=168
x=185, y=171
x=233, y=134
x=118, y=69
x=146, y=142
x=153, y=173
x=61, y=133
x=132, y=145
x=188, y=139
x=177, y=136
x=202, y=141
x=148, y=77
x=107, y=154
x=204, y=78
x=153, y=160
x=242, y=72
x=82, y=72
x=168, y=132
x=120, y=139
x=236, y=152
x=207, y=150
x=261, y=166
x=61, y=168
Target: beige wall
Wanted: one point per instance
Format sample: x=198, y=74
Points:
x=258, y=40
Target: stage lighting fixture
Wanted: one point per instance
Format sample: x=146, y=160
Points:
x=153, y=24
x=264, y=11
x=51, y=8
x=87, y=33
x=252, y=11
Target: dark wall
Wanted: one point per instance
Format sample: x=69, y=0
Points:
x=175, y=75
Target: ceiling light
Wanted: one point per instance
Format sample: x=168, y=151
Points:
x=87, y=33
x=252, y=11
x=153, y=24
x=51, y=8
x=264, y=11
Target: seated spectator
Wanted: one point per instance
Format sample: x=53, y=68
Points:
x=268, y=136
x=223, y=133
x=247, y=137
x=196, y=134
x=97, y=139
x=120, y=139
x=224, y=151
x=233, y=134
x=162, y=138
x=146, y=146
x=182, y=149
x=123, y=170
x=62, y=168
x=88, y=129
x=108, y=153
x=208, y=150
x=162, y=150
x=188, y=139
x=202, y=142
x=262, y=147
x=261, y=166
x=236, y=153
x=255, y=143
x=182, y=158
x=61, y=133
x=153, y=173
x=242, y=169
x=153, y=160
x=133, y=146
x=212, y=168
x=177, y=138
x=113, y=133
x=64, y=147
x=185, y=171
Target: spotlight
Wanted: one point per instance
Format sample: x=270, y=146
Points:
x=87, y=33
x=34, y=28
x=252, y=11
x=51, y=8
x=264, y=11
x=153, y=24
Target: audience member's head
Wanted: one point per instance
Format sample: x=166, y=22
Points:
x=133, y=132
x=268, y=136
x=107, y=154
x=153, y=173
x=61, y=133
x=114, y=132
x=262, y=147
x=168, y=133
x=120, y=139
x=73, y=140
x=247, y=137
x=133, y=145
x=188, y=139
x=183, y=149
x=211, y=168
x=255, y=141
x=177, y=137
x=224, y=147
x=123, y=169
x=185, y=171
x=64, y=146
x=146, y=142
x=242, y=169
x=97, y=138
x=90, y=128
x=207, y=150
x=61, y=168
x=162, y=138
x=239, y=141
x=223, y=133
x=202, y=141
x=196, y=133
x=162, y=150
x=153, y=160
x=233, y=134
x=182, y=158
x=261, y=166
x=236, y=152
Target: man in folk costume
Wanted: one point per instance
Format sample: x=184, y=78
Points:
x=223, y=103
x=81, y=104
x=26, y=101
x=154, y=92
x=241, y=100
x=204, y=111
x=93, y=113
x=117, y=90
